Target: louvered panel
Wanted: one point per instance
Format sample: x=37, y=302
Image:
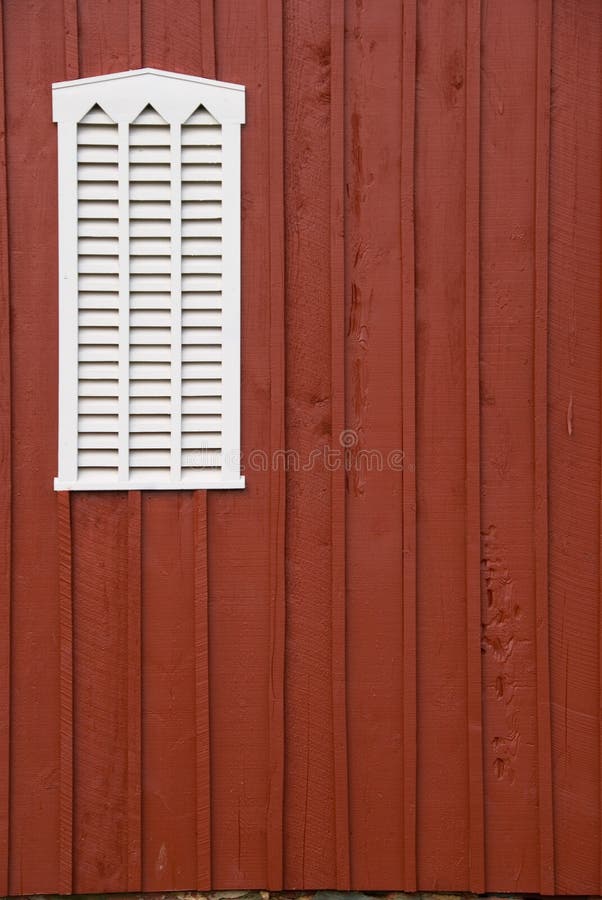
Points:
x=150, y=281
x=98, y=295
x=149, y=286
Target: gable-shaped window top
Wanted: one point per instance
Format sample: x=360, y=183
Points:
x=149, y=282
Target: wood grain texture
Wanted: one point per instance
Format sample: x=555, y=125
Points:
x=507, y=442
x=201, y=662
x=103, y=717
x=134, y=34
x=240, y=599
x=338, y=480
x=71, y=24
x=574, y=436
x=540, y=407
x=65, y=576
x=34, y=58
x=168, y=692
x=443, y=772
x=373, y=368
x=380, y=676
x=310, y=802
x=6, y=573
x=134, y=693
x=207, y=39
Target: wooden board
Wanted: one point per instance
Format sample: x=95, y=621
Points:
x=378, y=665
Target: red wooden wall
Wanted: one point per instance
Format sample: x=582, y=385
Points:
x=373, y=679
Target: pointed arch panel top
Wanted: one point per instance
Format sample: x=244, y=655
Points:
x=124, y=95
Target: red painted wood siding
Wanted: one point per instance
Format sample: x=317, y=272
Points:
x=378, y=679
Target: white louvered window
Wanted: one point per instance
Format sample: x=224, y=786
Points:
x=149, y=282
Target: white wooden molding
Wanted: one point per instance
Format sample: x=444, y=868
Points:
x=149, y=282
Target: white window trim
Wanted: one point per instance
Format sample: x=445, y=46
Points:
x=122, y=96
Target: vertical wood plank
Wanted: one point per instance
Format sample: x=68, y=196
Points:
x=34, y=47
x=338, y=594
x=408, y=416
x=99, y=54
x=168, y=695
x=241, y=626
x=314, y=394
x=201, y=661
x=574, y=441
x=134, y=690
x=275, y=162
x=476, y=876
x=66, y=692
x=5, y=489
x=540, y=405
x=71, y=39
x=134, y=34
x=442, y=773
x=373, y=440
x=508, y=115
x=207, y=22
x=182, y=42
x=105, y=714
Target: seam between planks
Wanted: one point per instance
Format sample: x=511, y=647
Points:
x=201, y=664
x=5, y=493
x=338, y=586
x=134, y=688
x=277, y=485
x=408, y=114
x=71, y=51
x=600, y=584
x=66, y=693
x=540, y=399
x=476, y=876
